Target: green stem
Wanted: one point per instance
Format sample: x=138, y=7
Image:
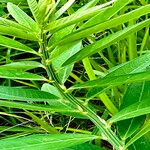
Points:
x=100, y=123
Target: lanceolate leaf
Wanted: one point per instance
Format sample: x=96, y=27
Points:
x=45, y=142
x=10, y=43
x=13, y=74
x=134, y=94
x=84, y=32
x=22, y=65
x=21, y=17
x=14, y=93
x=85, y=146
x=145, y=129
x=114, y=80
x=38, y=107
x=105, y=42
x=134, y=66
x=23, y=34
x=64, y=8
x=107, y=14
x=10, y=23
x=74, y=18
x=134, y=110
x=34, y=9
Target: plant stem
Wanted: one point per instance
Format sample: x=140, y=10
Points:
x=105, y=129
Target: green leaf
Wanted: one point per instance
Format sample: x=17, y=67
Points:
x=105, y=42
x=136, y=109
x=51, y=89
x=46, y=126
x=145, y=129
x=8, y=27
x=57, y=107
x=74, y=18
x=70, y=50
x=10, y=43
x=143, y=142
x=45, y=142
x=14, y=93
x=13, y=74
x=114, y=80
x=64, y=8
x=85, y=146
x=34, y=9
x=134, y=66
x=30, y=95
x=135, y=92
x=10, y=23
x=22, y=65
x=83, y=32
x=107, y=14
x=13, y=1
x=21, y=17
x=11, y=31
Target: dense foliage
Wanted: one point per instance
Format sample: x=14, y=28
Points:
x=74, y=75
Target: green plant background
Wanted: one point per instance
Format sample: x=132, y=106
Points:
x=74, y=74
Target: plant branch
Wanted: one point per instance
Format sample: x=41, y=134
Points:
x=105, y=129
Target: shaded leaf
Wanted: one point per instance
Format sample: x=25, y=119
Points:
x=134, y=94
x=136, y=109
x=85, y=146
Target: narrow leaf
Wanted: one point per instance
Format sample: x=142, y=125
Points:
x=114, y=80
x=75, y=18
x=14, y=93
x=10, y=43
x=136, y=92
x=137, y=109
x=145, y=129
x=21, y=17
x=22, y=65
x=63, y=8
x=12, y=74
x=83, y=32
x=54, y=141
x=105, y=42
x=34, y=9
x=37, y=107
